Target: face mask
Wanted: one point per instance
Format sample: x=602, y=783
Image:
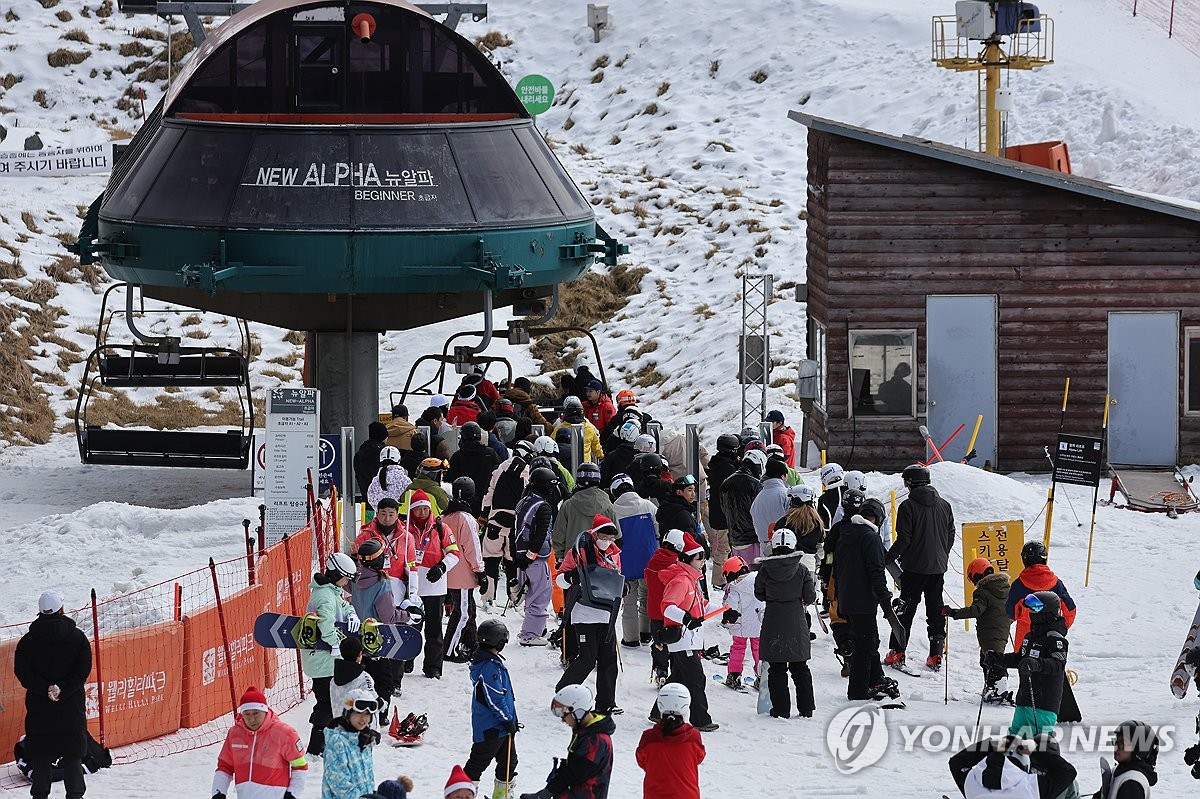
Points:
x=603, y=543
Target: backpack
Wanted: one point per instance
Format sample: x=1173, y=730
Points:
x=95, y=757
x=599, y=587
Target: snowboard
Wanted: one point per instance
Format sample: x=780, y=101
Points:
x=764, y=695
x=1184, y=673
x=389, y=641
x=897, y=628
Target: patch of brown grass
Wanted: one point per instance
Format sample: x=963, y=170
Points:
x=288, y=360
x=64, y=269
x=48, y=3
x=136, y=49
x=10, y=80
x=77, y=35
x=28, y=418
x=39, y=97
x=646, y=347
x=596, y=297
x=64, y=16
x=63, y=57
x=493, y=40
x=11, y=270
x=30, y=222
x=649, y=376
x=196, y=334
x=153, y=73
x=149, y=33
x=600, y=63
x=167, y=412
x=294, y=337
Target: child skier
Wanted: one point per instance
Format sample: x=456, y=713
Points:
x=992, y=627
x=349, y=674
x=684, y=608
x=586, y=772
x=1041, y=663
x=671, y=751
x=349, y=765
x=263, y=756
x=665, y=556
x=743, y=619
x=493, y=711
x=459, y=786
x=1135, y=748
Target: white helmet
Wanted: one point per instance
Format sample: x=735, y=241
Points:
x=774, y=451
x=341, y=564
x=361, y=700
x=802, y=493
x=674, y=699
x=783, y=537
x=831, y=475
x=545, y=445
x=645, y=443
x=674, y=540
x=573, y=402
x=574, y=699
x=629, y=430
x=389, y=455
x=758, y=457
x=856, y=481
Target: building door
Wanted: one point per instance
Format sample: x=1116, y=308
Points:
x=1143, y=379
x=960, y=377
x=320, y=66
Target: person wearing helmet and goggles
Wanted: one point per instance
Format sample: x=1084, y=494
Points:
x=328, y=602
x=743, y=619
x=671, y=751
x=587, y=769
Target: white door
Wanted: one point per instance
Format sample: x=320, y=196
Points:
x=961, y=342
x=1143, y=381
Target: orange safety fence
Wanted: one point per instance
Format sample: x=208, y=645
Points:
x=160, y=681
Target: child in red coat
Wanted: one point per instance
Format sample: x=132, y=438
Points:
x=671, y=751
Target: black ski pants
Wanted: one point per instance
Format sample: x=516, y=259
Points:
x=322, y=714
x=912, y=588
x=687, y=668
x=781, y=692
x=386, y=674
x=865, y=668
x=595, y=650
x=41, y=752
x=502, y=749
x=434, y=614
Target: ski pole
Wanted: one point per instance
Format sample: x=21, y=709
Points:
x=946, y=662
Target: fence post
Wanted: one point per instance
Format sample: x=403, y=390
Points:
x=212, y=567
x=1171, y=23
x=287, y=560
x=99, y=669
x=178, y=602
x=249, y=551
x=308, y=491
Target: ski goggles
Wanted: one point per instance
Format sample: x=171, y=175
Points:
x=559, y=711
x=362, y=705
x=1034, y=604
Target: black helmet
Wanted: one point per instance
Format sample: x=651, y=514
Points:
x=650, y=463
x=492, y=634
x=471, y=433
x=1139, y=737
x=372, y=553
x=1048, y=601
x=853, y=500
x=873, y=509
x=543, y=480
x=728, y=442
x=541, y=462
x=588, y=474
x=916, y=475
x=462, y=489
x=1033, y=552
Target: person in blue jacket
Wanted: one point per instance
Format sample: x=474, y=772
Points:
x=493, y=711
x=634, y=516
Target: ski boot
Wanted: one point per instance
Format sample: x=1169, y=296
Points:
x=658, y=678
x=895, y=658
x=992, y=696
x=714, y=654
x=936, y=650
x=734, y=681
x=885, y=689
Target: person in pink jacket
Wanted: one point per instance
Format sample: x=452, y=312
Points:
x=465, y=575
x=262, y=755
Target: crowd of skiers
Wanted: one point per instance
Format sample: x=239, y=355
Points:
x=625, y=548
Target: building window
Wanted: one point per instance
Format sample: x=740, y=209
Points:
x=817, y=352
x=1191, y=369
x=881, y=372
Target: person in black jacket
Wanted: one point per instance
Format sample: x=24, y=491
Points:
x=52, y=663
x=737, y=495
x=677, y=510
x=473, y=459
x=720, y=466
x=1032, y=767
x=858, y=575
x=411, y=459
x=1041, y=663
x=786, y=587
x=924, y=538
x=619, y=454
x=366, y=460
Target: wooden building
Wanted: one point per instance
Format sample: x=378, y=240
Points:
x=944, y=283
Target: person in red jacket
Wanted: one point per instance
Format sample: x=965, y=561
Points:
x=784, y=436
x=465, y=407
x=672, y=750
x=401, y=551
x=263, y=756
x=664, y=557
x=437, y=553
x=597, y=407
x=1036, y=576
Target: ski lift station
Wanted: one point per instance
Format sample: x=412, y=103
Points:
x=341, y=168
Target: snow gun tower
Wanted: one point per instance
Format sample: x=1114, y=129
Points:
x=988, y=37
x=337, y=167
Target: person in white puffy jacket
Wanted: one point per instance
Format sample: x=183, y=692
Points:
x=743, y=619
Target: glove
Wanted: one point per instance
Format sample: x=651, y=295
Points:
x=219, y=795
x=899, y=606
x=286, y=795
x=368, y=737
x=436, y=572
x=825, y=572
x=691, y=623
x=352, y=622
x=54, y=692
x=481, y=579
x=521, y=559
x=947, y=610
x=1029, y=666
x=416, y=613
x=510, y=726
x=730, y=617
x=989, y=659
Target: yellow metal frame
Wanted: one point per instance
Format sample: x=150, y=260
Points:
x=1026, y=49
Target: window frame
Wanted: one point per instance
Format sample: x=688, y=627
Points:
x=819, y=352
x=853, y=334
x=1189, y=333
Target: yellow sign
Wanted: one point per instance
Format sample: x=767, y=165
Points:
x=999, y=542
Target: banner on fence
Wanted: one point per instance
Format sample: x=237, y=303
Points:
x=86, y=160
x=205, y=671
x=143, y=684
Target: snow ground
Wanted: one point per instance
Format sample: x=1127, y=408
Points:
x=708, y=183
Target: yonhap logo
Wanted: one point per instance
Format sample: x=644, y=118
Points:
x=857, y=737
